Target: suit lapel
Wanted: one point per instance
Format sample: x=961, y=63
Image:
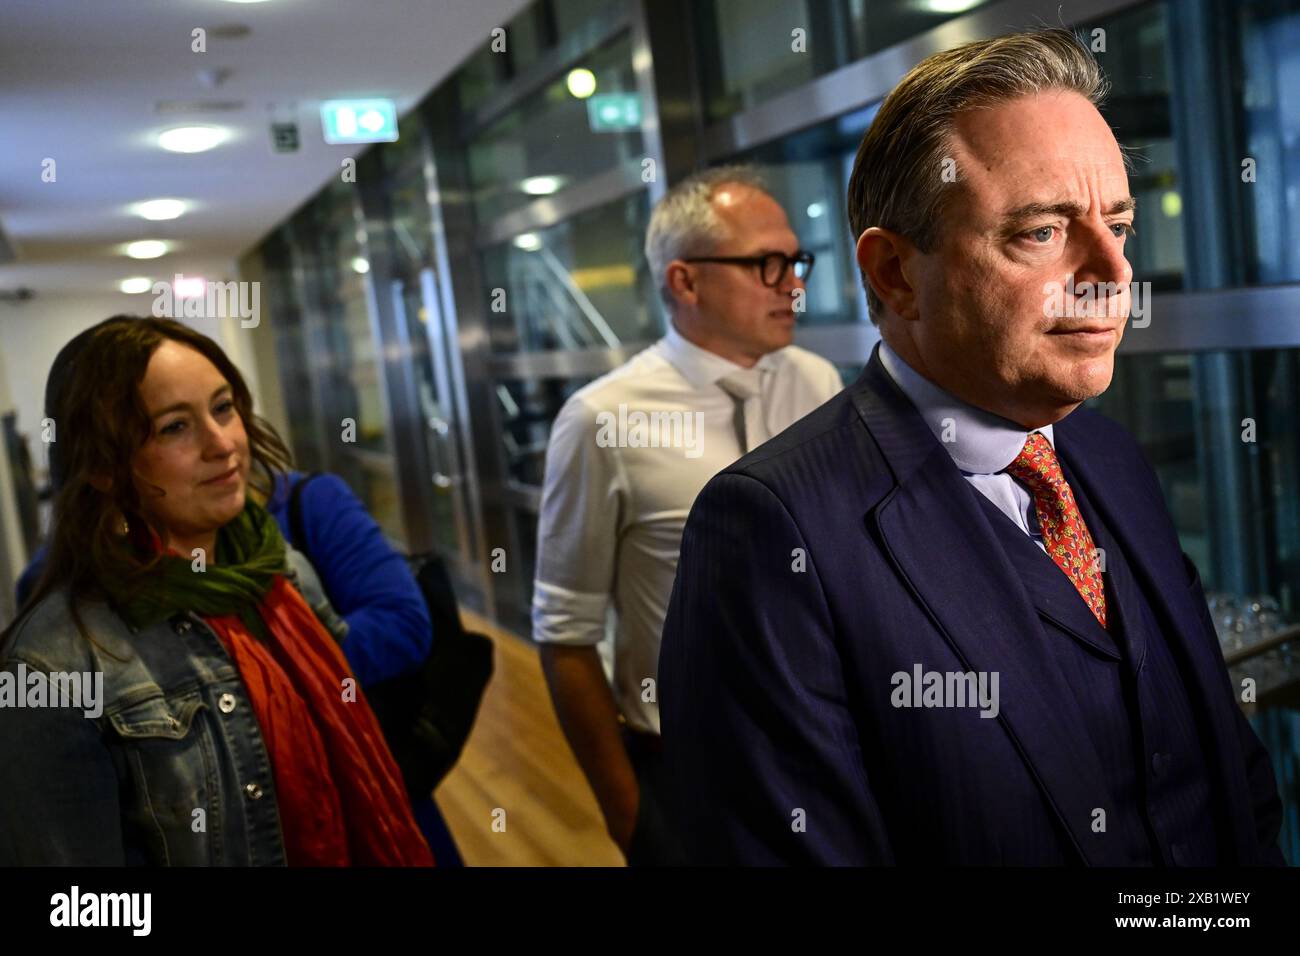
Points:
x=949, y=556
x=1122, y=613
x=1052, y=592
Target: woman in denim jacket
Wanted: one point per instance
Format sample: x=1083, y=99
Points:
x=167, y=696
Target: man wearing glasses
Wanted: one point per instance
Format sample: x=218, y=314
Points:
x=629, y=453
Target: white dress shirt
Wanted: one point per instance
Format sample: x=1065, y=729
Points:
x=981, y=444
x=614, y=506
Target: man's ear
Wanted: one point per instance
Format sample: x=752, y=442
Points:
x=880, y=253
x=681, y=282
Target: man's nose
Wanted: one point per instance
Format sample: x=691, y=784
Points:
x=1103, y=259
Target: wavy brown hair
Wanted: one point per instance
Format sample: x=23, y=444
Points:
x=101, y=423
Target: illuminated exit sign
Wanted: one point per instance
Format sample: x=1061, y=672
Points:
x=359, y=121
x=613, y=112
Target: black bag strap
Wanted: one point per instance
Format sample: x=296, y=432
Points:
x=297, y=536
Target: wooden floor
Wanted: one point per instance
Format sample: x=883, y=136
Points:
x=517, y=761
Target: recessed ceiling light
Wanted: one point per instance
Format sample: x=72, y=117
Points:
x=528, y=241
x=135, y=285
x=189, y=287
x=156, y=210
x=581, y=83
x=948, y=6
x=146, y=249
x=191, y=139
x=360, y=266
x=541, y=185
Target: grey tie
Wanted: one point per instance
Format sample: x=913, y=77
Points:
x=745, y=388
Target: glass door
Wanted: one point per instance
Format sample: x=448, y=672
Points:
x=436, y=465
x=419, y=313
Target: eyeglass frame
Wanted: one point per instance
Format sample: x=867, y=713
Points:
x=801, y=255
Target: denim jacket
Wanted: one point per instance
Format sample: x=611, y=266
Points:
x=173, y=771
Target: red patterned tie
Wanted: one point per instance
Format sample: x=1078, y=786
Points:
x=1066, y=536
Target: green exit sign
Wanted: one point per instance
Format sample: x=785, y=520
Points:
x=359, y=121
x=613, y=112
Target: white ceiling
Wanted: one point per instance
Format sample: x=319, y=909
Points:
x=79, y=83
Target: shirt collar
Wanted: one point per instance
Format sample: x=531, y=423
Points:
x=702, y=368
x=979, y=442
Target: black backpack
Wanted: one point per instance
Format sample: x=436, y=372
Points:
x=426, y=714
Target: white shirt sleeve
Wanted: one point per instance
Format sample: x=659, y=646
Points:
x=831, y=381
x=583, y=501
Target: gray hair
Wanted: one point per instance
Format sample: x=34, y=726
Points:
x=896, y=181
x=684, y=223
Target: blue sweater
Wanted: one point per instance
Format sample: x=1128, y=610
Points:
x=369, y=583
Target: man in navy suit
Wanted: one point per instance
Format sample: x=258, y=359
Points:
x=945, y=618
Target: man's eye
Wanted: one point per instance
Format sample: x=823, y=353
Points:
x=1043, y=234
x=1124, y=229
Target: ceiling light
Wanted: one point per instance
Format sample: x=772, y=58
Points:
x=815, y=210
x=146, y=249
x=541, y=185
x=581, y=83
x=191, y=139
x=135, y=285
x=949, y=6
x=360, y=266
x=528, y=241
x=189, y=287
x=157, y=210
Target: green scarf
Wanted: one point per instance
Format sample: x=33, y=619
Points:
x=250, y=552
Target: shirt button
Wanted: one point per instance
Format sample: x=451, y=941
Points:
x=254, y=791
x=183, y=627
x=226, y=703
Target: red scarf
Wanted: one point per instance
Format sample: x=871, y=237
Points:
x=339, y=792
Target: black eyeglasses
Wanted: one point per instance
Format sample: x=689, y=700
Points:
x=771, y=267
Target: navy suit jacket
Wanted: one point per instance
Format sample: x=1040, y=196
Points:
x=850, y=548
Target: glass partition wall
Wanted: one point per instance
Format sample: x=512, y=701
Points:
x=560, y=203
x=433, y=316
x=488, y=264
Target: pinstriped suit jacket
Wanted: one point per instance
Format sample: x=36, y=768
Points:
x=849, y=549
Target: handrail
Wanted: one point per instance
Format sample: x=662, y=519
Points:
x=1270, y=643
x=588, y=310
